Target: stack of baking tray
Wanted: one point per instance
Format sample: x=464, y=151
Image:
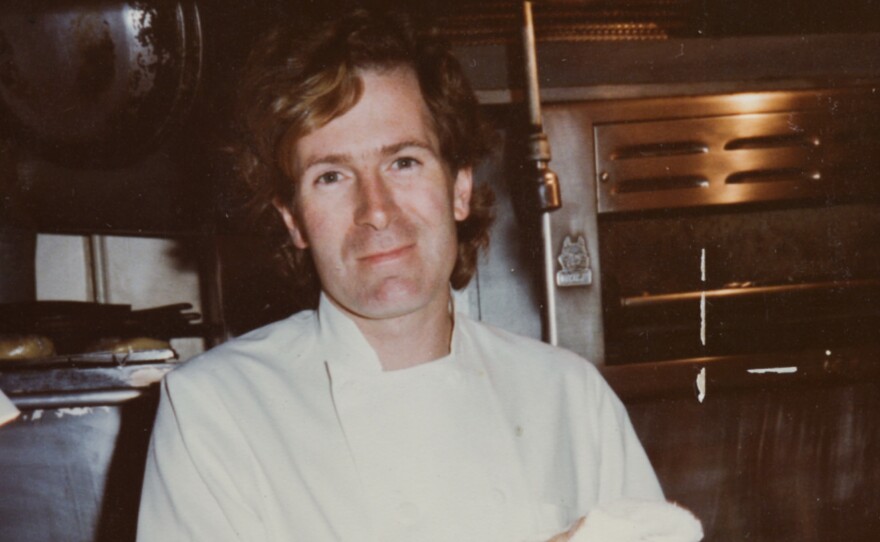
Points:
x=75, y=328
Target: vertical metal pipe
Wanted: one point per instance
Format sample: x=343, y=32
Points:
x=547, y=184
x=97, y=262
x=550, y=328
x=533, y=91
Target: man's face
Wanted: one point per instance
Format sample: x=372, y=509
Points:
x=376, y=205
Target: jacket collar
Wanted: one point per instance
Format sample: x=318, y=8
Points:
x=345, y=345
x=342, y=340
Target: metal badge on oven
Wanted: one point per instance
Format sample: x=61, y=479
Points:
x=575, y=262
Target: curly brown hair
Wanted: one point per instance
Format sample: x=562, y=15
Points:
x=299, y=79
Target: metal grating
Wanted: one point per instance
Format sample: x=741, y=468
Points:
x=472, y=22
x=734, y=159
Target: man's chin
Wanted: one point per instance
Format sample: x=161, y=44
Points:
x=388, y=307
x=393, y=299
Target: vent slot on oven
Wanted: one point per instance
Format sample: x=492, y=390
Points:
x=672, y=148
x=773, y=175
x=654, y=184
x=772, y=142
x=827, y=151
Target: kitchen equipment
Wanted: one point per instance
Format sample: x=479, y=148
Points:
x=726, y=224
x=97, y=83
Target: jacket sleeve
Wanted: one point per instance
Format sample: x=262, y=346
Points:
x=189, y=493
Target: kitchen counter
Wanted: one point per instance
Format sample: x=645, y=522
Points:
x=71, y=465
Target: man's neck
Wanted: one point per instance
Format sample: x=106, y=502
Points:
x=411, y=339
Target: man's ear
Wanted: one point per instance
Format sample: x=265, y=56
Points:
x=292, y=224
x=461, y=193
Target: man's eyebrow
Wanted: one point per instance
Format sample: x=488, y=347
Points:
x=327, y=159
x=345, y=158
x=397, y=147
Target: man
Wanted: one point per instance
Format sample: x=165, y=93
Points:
x=384, y=415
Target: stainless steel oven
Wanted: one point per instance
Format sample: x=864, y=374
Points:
x=719, y=225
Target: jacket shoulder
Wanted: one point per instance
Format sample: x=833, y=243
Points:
x=505, y=347
x=283, y=341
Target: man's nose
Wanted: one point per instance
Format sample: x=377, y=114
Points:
x=375, y=206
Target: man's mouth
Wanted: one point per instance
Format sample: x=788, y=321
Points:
x=386, y=255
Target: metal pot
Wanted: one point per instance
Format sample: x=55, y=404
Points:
x=97, y=83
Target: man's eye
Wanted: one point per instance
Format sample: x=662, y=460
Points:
x=405, y=163
x=328, y=178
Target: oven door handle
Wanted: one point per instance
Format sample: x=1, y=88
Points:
x=662, y=299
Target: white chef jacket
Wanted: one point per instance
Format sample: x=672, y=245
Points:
x=294, y=432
